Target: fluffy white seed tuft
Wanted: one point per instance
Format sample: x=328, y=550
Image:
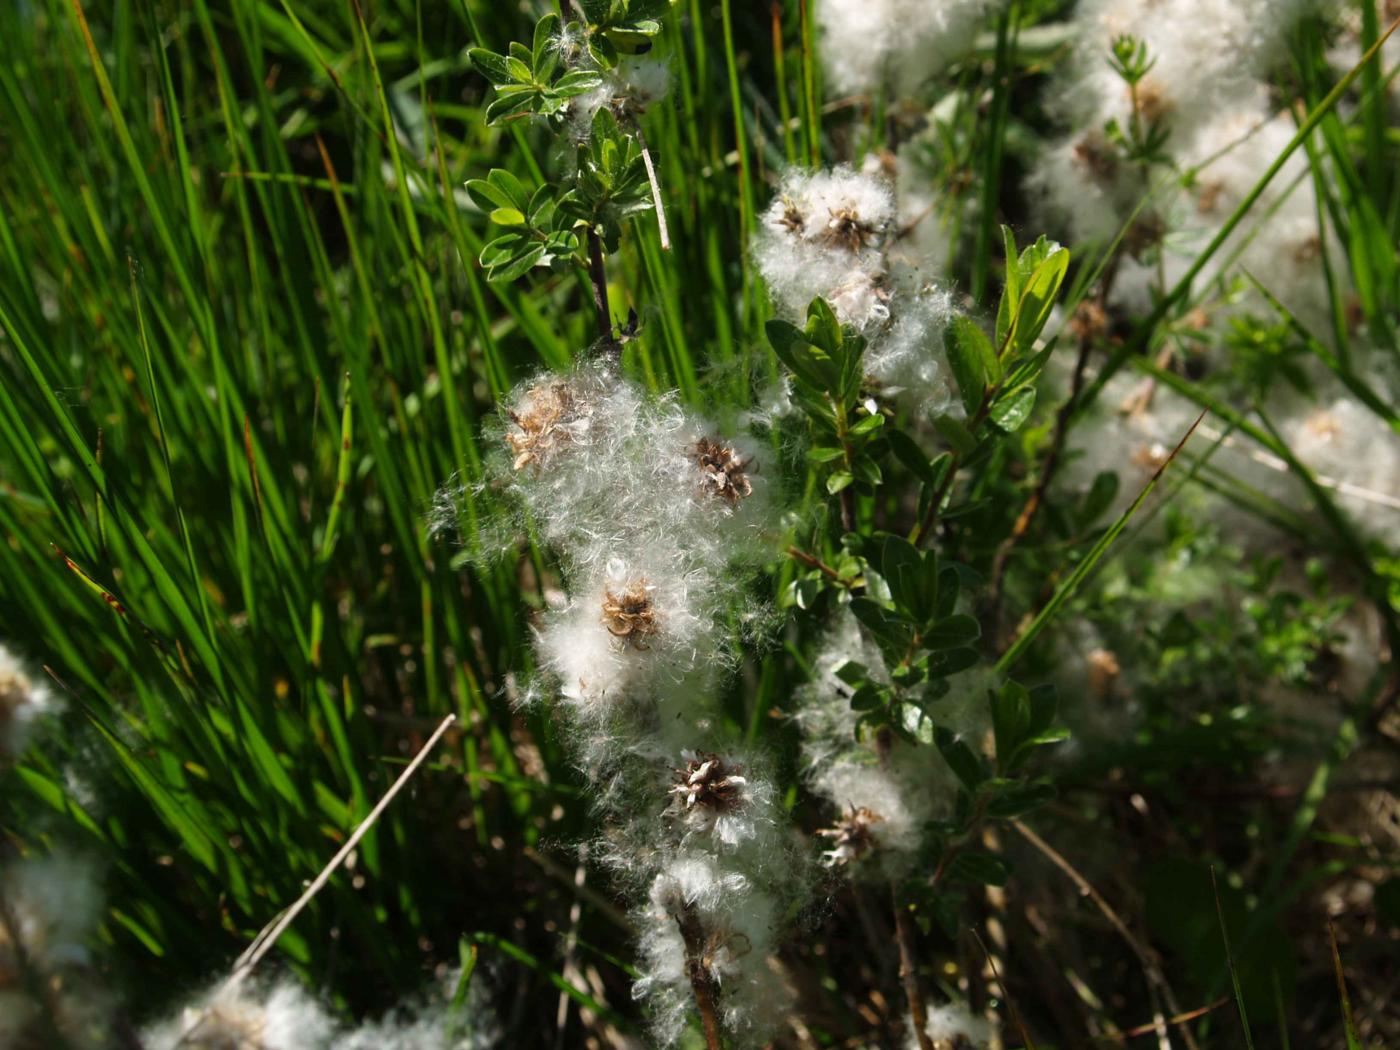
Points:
x=22, y=702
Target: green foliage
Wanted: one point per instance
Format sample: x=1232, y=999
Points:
x=907, y=599
x=539, y=235
x=532, y=80
x=249, y=329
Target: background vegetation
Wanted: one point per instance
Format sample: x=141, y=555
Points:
x=244, y=342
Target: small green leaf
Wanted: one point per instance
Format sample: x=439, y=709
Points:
x=519, y=265
x=852, y=672
x=1011, y=720
x=868, y=425
x=902, y=568
x=1048, y=264
x=506, y=105
x=960, y=758
x=868, y=697
x=892, y=633
x=952, y=632
x=955, y=432
x=507, y=217
x=1011, y=292
x=546, y=29
x=490, y=65
x=967, y=350
x=823, y=329
x=825, y=454
x=793, y=350
x=577, y=82
x=839, y=480
x=511, y=191
x=1013, y=408
x=979, y=867
x=908, y=452
x=1019, y=799
x=949, y=662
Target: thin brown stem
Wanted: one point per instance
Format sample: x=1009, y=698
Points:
x=1147, y=958
x=908, y=970
x=904, y=929
x=1037, y=496
x=598, y=277
x=813, y=562
x=1057, y=445
x=848, y=510
x=702, y=982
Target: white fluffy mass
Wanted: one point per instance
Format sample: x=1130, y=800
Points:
x=629, y=90
x=867, y=44
x=880, y=805
x=51, y=908
x=1206, y=90
x=23, y=701
x=954, y=1025
x=739, y=920
x=659, y=519
x=831, y=234
x=282, y=1015
x=824, y=235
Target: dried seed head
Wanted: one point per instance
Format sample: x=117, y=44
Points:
x=1103, y=672
x=1146, y=232
x=1150, y=457
x=228, y=1029
x=793, y=219
x=708, y=782
x=848, y=231
x=724, y=946
x=543, y=425
x=1089, y=322
x=629, y=614
x=1208, y=195
x=722, y=470
x=852, y=837
x=1151, y=102
x=21, y=701
x=1097, y=156
x=1308, y=250
x=1322, y=426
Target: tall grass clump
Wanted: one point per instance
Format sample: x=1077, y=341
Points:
x=642, y=523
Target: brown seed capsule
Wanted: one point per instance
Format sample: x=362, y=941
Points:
x=1152, y=103
x=708, y=782
x=1089, y=322
x=543, y=426
x=1322, y=425
x=629, y=614
x=792, y=218
x=852, y=837
x=1104, y=671
x=1208, y=196
x=848, y=231
x=722, y=470
x=1096, y=155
